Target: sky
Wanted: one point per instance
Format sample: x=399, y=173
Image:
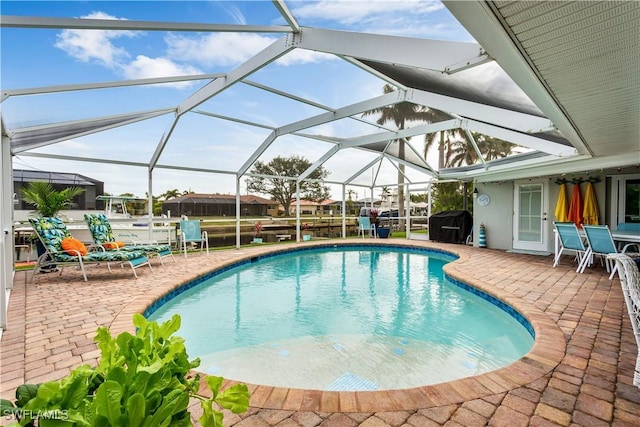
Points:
x=48, y=57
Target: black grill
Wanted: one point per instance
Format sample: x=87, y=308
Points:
x=450, y=226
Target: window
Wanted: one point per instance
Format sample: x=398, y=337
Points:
x=632, y=201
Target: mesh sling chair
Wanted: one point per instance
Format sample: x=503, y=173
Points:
x=190, y=233
x=570, y=240
x=601, y=244
x=364, y=224
x=52, y=231
x=102, y=235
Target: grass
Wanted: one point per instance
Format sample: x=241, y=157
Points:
x=22, y=266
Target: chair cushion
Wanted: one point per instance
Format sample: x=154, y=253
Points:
x=51, y=231
x=73, y=246
x=146, y=248
x=100, y=228
x=102, y=256
x=113, y=245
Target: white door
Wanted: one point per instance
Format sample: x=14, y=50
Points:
x=531, y=204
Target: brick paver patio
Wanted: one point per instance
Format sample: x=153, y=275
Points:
x=579, y=372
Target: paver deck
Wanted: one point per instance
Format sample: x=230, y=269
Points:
x=579, y=372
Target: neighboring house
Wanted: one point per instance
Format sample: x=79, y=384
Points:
x=218, y=205
x=310, y=207
x=59, y=180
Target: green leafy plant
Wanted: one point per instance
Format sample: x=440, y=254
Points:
x=46, y=200
x=141, y=380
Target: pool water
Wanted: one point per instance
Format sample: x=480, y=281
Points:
x=344, y=319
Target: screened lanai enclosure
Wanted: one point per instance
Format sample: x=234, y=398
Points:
x=147, y=96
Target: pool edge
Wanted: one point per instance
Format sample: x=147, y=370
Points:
x=547, y=351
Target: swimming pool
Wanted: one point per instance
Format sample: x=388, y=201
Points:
x=345, y=318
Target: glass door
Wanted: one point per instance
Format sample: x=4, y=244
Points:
x=625, y=199
x=530, y=230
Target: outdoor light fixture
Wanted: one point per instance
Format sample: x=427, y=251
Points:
x=475, y=193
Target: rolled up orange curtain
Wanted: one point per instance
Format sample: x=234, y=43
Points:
x=575, y=207
x=590, y=213
x=561, y=205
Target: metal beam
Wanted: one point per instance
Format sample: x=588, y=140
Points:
x=522, y=139
x=21, y=144
x=404, y=133
x=326, y=156
x=485, y=113
x=480, y=20
x=256, y=62
x=361, y=171
x=6, y=224
x=287, y=15
x=89, y=86
x=257, y=153
x=9, y=21
x=358, y=107
x=350, y=110
x=412, y=52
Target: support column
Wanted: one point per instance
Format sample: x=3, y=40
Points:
x=6, y=226
x=238, y=213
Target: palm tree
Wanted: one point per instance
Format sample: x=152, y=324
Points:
x=463, y=152
x=457, y=150
x=493, y=148
x=400, y=114
x=46, y=200
x=444, y=139
x=171, y=194
x=385, y=193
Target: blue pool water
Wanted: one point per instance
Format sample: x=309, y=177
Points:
x=344, y=319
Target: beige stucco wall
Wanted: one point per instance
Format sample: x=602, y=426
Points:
x=498, y=215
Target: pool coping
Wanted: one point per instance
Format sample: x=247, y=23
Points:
x=547, y=352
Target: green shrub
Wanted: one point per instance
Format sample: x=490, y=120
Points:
x=141, y=380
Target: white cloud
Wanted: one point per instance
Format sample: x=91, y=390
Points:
x=220, y=49
x=411, y=18
x=94, y=45
x=145, y=67
x=302, y=56
x=234, y=12
x=364, y=11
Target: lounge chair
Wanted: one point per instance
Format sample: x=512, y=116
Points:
x=364, y=224
x=190, y=233
x=52, y=232
x=102, y=235
x=630, y=283
x=570, y=240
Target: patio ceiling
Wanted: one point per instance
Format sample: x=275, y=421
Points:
x=569, y=95
x=579, y=62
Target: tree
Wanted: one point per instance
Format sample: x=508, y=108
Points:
x=400, y=114
x=46, y=200
x=448, y=196
x=444, y=140
x=457, y=150
x=171, y=194
x=283, y=189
